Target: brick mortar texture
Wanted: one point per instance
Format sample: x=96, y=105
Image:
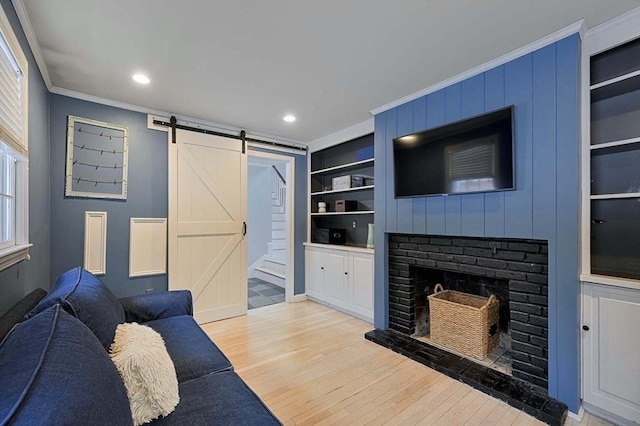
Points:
x=522, y=263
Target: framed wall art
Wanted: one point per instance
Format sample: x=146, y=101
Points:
x=97, y=155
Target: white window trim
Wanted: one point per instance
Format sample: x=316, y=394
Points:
x=20, y=251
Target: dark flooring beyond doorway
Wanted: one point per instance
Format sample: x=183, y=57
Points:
x=262, y=293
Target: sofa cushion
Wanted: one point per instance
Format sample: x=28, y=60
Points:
x=153, y=306
x=147, y=371
x=54, y=371
x=85, y=297
x=192, y=351
x=221, y=399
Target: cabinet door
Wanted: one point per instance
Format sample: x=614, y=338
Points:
x=336, y=279
x=611, y=349
x=314, y=273
x=361, y=273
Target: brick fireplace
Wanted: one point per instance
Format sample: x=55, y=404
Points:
x=514, y=270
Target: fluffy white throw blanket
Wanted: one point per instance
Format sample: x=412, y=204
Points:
x=147, y=371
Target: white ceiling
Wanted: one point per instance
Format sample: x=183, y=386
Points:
x=247, y=63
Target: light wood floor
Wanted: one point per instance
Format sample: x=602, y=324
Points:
x=312, y=365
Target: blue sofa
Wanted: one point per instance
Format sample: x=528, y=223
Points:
x=55, y=366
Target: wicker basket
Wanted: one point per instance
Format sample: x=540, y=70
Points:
x=463, y=322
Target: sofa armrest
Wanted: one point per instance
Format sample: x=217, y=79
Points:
x=153, y=306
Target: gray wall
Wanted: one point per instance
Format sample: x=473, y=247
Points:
x=147, y=195
x=258, y=211
x=25, y=276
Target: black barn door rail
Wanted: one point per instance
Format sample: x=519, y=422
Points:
x=173, y=124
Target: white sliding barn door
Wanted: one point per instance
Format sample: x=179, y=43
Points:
x=207, y=213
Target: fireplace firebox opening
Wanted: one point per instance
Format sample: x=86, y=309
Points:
x=425, y=280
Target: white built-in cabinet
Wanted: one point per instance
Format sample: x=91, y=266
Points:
x=610, y=169
x=611, y=350
x=340, y=278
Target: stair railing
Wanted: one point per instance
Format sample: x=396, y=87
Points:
x=278, y=187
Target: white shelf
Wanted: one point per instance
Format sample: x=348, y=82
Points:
x=357, y=249
x=615, y=196
x=344, y=166
x=615, y=80
x=342, y=213
x=615, y=143
x=335, y=191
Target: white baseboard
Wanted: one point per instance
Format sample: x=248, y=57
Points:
x=607, y=415
x=299, y=298
x=577, y=417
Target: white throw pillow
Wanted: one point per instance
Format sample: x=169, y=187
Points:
x=147, y=371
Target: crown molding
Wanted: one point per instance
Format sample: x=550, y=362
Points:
x=616, y=31
x=352, y=132
x=21, y=11
x=576, y=27
x=183, y=118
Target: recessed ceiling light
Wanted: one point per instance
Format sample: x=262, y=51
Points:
x=141, y=78
x=289, y=118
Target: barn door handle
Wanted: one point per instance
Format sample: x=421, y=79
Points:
x=244, y=228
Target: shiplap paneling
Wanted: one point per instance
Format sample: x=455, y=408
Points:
x=419, y=204
x=543, y=86
x=544, y=142
x=435, y=205
x=381, y=284
x=564, y=293
x=405, y=205
x=452, y=204
x=391, y=130
x=518, y=91
x=494, y=201
x=472, y=205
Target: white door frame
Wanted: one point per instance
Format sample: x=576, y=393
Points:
x=289, y=214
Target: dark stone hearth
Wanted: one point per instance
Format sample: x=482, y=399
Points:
x=513, y=391
x=514, y=270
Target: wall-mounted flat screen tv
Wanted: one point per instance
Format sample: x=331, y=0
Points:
x=472, y=155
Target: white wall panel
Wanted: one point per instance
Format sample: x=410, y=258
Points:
x=95, y=242
x=147, y=246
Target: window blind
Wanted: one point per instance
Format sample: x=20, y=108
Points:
x=11, y=99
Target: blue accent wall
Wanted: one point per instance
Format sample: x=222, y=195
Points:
x=544, y=88
x=146, y=195
x=22, y=278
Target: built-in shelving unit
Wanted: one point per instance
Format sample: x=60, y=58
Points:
x=610, y=288
x=351, y=158
x=614, y=151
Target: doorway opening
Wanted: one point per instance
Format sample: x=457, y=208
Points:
x=270, y=228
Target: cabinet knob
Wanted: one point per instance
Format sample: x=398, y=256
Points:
x=346, y=273
x=585, y=327
x=322, y=267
